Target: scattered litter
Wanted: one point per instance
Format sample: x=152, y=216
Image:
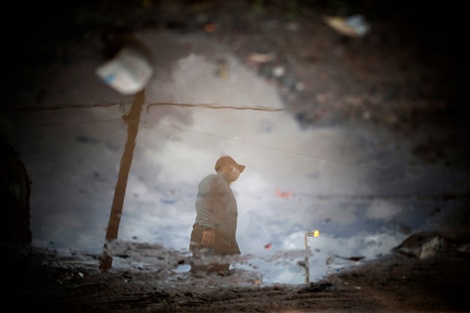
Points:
x=279, y=71
x=69, y=277
x=210, y=28
x=352, y=26
x=222, y=69
x=261, y=57
x=283, y=194
x=464, y=248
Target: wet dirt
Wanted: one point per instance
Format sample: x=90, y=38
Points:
x=40, y=279
x=408, y=74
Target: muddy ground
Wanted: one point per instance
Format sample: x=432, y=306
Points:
x=408, y=74
x=43, y=281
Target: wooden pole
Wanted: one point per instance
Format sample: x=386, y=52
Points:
x=132, y=120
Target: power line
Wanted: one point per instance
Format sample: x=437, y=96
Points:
x=216, y=106
x=276, y=148
x=110, y=104
x=200, y=105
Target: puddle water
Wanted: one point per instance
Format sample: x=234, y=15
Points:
x=351, y=184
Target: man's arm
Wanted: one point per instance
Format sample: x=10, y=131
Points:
x=206, y=207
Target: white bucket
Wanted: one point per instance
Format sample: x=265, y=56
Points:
x=128, y=72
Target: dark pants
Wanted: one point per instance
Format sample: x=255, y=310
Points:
x=202, y=255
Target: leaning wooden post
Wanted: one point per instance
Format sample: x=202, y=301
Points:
x=132, y=119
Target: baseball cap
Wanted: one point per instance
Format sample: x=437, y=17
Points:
x=224, y=160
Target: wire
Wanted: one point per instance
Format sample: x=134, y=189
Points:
x=110, y=104
x=200, y=105
x=215, y=106
x=274, y=148
x=296, y=274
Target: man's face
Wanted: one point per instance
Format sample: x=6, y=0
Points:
x=232, y=172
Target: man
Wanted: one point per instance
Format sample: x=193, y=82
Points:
x=215, y=227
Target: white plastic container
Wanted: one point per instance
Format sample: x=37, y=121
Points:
x=128, y=72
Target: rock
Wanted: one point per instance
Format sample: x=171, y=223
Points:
x=421, y=245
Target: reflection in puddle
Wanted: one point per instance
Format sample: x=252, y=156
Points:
x=285, y=266
x=350, y=183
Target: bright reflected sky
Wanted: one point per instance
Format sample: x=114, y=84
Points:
x=73, y=158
